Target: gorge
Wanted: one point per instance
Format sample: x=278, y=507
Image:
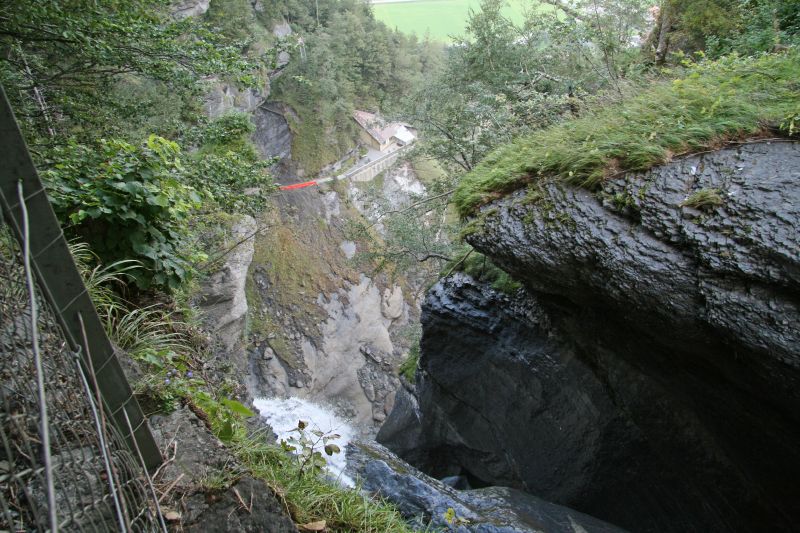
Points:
x=645, y=375
x=543, y=276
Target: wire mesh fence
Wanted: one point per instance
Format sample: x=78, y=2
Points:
x=61, y=460
x=75, y=448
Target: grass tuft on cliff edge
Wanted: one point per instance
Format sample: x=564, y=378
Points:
x=733, y=98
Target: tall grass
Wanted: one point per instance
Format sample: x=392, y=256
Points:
x=733, y=98
x=310, y=498
x=138, y=331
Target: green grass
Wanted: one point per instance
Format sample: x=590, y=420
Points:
x=731, y=99
x=440, y=19
x=408, y=368
x=704, y=198
x=310, y=498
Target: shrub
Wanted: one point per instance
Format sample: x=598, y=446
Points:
x=481, y=268
x=127, y=202
x=227, y=168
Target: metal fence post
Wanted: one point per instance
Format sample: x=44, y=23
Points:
x=62, y=285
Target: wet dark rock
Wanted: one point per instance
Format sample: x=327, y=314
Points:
x=726, y=275
x=650, y=375
x=403, y=426
x=424, y=501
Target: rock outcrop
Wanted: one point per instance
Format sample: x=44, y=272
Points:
x=222, y=300
x=273, y=138
x=425, y=502
x=726, y=274
x=189, y=8
x=223, y=98
x=649, y=376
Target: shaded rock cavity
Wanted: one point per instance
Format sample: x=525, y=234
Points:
x=534, y=394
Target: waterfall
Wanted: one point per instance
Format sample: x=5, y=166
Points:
x=283, y=414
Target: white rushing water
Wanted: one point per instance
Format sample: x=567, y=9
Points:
x=283, y=414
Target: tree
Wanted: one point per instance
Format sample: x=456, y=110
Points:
x=416, y=234
x=496, y=84
x=61, y=61
x=351, y=61
x=720, y=27
x=84, y=77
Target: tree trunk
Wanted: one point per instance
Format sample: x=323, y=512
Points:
x=664, y=28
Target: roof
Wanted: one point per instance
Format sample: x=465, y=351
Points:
x=404, y=134
x=380, y=130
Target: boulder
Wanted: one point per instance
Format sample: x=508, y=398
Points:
x=189, y=8
x=231, y=502
x=427, y=502
x=225, y=98
x=273, y=138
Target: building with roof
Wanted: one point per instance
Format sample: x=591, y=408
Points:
x=381, y=135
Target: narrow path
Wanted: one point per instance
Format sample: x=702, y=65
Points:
x=346, y=175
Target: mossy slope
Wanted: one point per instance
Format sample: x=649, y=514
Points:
x=733, y=98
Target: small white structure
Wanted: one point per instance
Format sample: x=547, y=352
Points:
x=380, y=135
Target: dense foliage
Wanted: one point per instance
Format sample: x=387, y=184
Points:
x=91, y=82
x=227, y=168
x=505, y=80
x=63, y=62
x=347, y=60
x=720, y=27
x=127, y=201
x=594, y=76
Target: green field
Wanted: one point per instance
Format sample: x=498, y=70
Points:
x=441, y=19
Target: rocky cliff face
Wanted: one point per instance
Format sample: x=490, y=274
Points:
x=649, y=374
x=273, y=137
x=189, y=8
x=323, y=326
x=221, y=300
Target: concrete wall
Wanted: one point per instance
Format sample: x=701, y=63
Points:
x=372, y=169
